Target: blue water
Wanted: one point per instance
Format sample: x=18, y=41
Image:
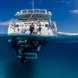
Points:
x=58, y=59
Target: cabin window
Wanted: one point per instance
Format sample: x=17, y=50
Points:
x=36, y=11
x=30, y=11
x=43, y=11
x=46, y=25
x=25, y=11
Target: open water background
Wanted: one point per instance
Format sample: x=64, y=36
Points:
x=58, y=59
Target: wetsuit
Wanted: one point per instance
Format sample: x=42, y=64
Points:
x=39, y=29
x=23, y=58
x=15, y=45
x=31, y=28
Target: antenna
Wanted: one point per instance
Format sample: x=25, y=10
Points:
x=33, y=5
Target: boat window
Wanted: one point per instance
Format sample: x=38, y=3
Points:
x=30, y=11
x=36, y=11
x=42, y=25
x=46, y=25
x=16, y=25
x=25, y=11
x=42, y=11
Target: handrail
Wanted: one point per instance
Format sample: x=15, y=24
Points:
x=35, y=11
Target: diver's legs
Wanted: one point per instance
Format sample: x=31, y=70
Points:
x=22, y=60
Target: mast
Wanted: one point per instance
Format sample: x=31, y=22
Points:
x=33, y=5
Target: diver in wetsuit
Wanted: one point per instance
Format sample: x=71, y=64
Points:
x=36, y=45
x=14, y=42
x=31, y=28
x=23, y=58
x=39, y=27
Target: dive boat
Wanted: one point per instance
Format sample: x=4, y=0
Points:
x=40, y=18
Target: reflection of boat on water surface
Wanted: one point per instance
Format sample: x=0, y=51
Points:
x=35, y=21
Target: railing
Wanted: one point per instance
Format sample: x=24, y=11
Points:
x=35, y=11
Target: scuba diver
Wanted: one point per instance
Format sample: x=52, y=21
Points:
x=14, y=42
x=39, y=27
x=22, y=60
x=25, y=47
x=36, y=45
x=31, y=29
